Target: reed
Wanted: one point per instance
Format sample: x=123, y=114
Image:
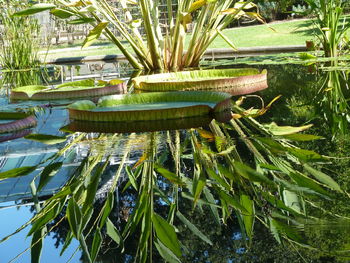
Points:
x=19, y=46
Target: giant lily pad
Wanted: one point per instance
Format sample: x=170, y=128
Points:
x=70, y=90
x=150, y=106
x=15, y=121
x=237, y=81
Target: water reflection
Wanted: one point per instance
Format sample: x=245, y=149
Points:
x=166, y=194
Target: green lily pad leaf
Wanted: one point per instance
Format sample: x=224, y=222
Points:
x=45, y=138
x=151, y=106
x=235, y=81
x=69, y=90
x=79, y=83
x=37, y=8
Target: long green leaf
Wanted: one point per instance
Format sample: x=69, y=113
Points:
x=113, y=233
x=61, y=13
x=166, y=253
x=323, y=178
x=46, y=139
x=37, y=245
x=47, y=174
x=166, y=234
x=168, y=175
x=193, y=228
x=74, y=217
x=249, y=173
x=248, y=219
x=16, y=172
x=37, y=8
x=94, y=34
x=107, y=208
x=96, y=244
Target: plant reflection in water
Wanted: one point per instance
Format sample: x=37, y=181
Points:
x=240, y=173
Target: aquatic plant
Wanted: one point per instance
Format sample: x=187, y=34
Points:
x=159, y=51
x=241, y=170
x=150, y=106
x=19, y=46
x=332, y=25
x=234, y=81
x=69, y=90
x=333, y=100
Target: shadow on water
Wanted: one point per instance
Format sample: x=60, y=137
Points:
x=244, y=190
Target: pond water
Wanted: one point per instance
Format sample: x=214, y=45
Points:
x=294, y=207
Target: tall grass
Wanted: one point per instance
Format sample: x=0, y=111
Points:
x=19, y=46
x=332, y=24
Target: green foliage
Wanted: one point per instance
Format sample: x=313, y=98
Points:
x=332, y=25
x=19, y=46
x=159, y=51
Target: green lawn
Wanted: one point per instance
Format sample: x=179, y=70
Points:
x=277, y=34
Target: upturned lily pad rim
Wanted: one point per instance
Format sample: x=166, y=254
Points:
x=207, y=102
x=20, y=121
x=68, y=90
x=201, y=79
